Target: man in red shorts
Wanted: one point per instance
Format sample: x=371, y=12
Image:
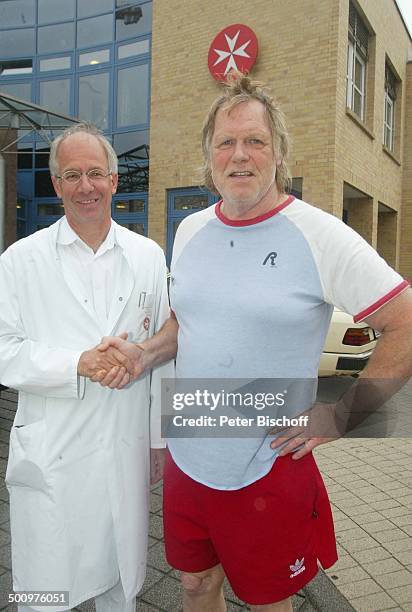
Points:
x=253, y=283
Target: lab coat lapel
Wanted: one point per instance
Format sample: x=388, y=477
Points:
x=71, y=282
x=124, y=285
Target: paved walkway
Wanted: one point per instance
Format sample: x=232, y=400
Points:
x=370, y=486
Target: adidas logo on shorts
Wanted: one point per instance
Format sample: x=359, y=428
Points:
x=297, y=567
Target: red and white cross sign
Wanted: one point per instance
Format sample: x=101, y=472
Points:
x=234, y=48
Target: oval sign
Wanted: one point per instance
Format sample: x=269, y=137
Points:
x=234, y=48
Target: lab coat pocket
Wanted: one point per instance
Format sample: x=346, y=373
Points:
x=143, y=319
x=27, y=457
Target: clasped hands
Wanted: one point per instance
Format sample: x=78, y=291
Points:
x=113, y=363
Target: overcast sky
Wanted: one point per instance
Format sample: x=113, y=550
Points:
x=406, y=8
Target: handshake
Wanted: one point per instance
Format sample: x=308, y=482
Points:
x=113, y=363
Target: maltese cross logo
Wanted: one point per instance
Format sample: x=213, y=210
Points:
x=234, y=48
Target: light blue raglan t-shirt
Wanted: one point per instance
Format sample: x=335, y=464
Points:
x=253, y=300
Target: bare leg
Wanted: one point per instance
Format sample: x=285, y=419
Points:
x=280, y=606
x=202, y=591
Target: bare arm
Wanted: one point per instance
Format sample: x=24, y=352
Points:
x=392, y=357
x=162, y=346
x=389, y=367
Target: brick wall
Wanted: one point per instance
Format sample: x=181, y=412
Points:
x=405, y=264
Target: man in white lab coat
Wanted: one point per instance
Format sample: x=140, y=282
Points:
x=79, y=462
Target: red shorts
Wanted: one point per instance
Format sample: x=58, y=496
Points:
x=268, y=536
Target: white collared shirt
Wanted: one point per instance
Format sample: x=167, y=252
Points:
x=92, y=274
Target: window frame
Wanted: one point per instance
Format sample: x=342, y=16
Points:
x=390, y=95
x=174, y=214
x=353, y=55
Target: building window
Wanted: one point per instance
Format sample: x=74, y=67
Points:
x=356, y=63
x=55, y=94
x=55, y=63
x=51, y=11
x=17, y=90
x=94, y=98
x=55, y=38
x=180, y=204
x=16, y=67
x=132, y=19
x=17, y=43
x=17, y=13
x=133, y=95
x=389, y=109
x=131, y=212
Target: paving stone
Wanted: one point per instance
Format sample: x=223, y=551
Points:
x=407, y=529
x=5, y=527
x=384, y=505
x=365, y=519
x=391, y=535
x=152, y=541
x=384, y=566
x=87, y=606
x=396, y=490
x=4, y=450
x=351, y=534
x=399, y=545
x=344, y=524
x=152, y=576
x=376, y=602
x=402, y=595
x=404, y=557
x=345, y=494
x=5, y=556
x=374, y=497
x=230, y=595
x=333, y=487
x=359, y=544
x=142, y=606
x=344, y=562
x=349, y=575
x=338, y=514
x=4, y=512
x=400, y=521
x=156, y=502
x=364, y=557
x=395, y=579
x=377, y=526
x=6, y=587
x=232, y=607
x=156, y=526
x=158, y=487
x=5, y=435
x=360, y=588
x=342, y=472
x=4, y=538
x=166, y=594
x=354, y=510
x=156, y=558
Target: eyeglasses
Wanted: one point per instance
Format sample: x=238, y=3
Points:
x=73, y=176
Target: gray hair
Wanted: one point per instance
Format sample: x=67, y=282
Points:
x=82, y=128
x=240, y=88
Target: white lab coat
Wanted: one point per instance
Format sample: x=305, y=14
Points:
x=78, y=470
